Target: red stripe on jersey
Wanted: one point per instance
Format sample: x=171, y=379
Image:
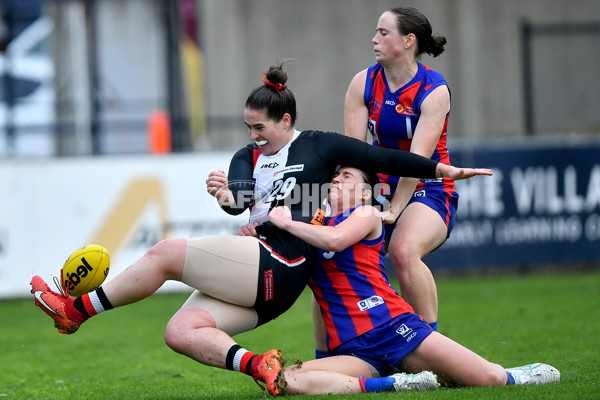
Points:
x=365, y=258
x=280, y=258
x=361, y=321
x=377, y=100
x=442, y=151
x=407, y=97
x=332, y=332
x=255, y=154
x=448, y=214
x=404, y=144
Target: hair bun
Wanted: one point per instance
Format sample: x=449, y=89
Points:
x=276, y=76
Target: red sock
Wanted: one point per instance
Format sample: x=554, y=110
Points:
x=361, y=381
x=242, y=360
x=72, y=312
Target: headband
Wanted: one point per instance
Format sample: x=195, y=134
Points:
x=277, y=87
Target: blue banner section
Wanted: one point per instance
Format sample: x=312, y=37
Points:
x=541, y=206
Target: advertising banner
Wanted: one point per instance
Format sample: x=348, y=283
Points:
x=542, y=205
x=51, y=207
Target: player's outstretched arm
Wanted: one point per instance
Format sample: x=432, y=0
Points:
x=457, y=173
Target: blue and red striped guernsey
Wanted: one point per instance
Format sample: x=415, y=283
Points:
x=353, y=290
x=393, y=116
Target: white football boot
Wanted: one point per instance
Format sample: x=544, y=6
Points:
x=534, y=374
x=424, y=380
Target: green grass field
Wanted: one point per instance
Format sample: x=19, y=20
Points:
x=120, y=354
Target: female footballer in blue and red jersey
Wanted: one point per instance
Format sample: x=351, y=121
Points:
x=351, y=292
x=405, y=105
x=371, y=331
x=393, y=119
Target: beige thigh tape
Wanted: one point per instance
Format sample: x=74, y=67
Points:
x=230, y=318
x=223, y=267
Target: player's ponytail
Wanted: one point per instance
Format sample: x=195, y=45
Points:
x=435, y=45
x=410, y=20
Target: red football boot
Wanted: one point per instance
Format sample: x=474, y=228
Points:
x=270, y=371
x=54, y=305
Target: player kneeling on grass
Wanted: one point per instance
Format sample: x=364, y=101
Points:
x=370, y=330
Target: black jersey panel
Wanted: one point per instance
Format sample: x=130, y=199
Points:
x=352, y=152
x=240, y=180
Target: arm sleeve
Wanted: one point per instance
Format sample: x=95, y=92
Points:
x=339, y=149
x=240, y=181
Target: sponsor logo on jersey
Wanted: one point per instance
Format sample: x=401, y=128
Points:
x=436, y=180
x=291, y=168
x=404, y=330
x=406, y=110
x=270, y=165
x=390, y=103
x=374, y=106
x=268, y=279
x=329, y=255
x=370, y=302
x=318, y=218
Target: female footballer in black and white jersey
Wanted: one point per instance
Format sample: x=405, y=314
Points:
x=244, y=281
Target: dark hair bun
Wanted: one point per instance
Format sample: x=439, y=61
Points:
x=277, y=75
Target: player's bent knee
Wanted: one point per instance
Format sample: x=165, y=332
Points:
x=173, y=340
x=183, y=324
x=171, y=253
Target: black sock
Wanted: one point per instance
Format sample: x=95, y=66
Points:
x=243, y=363
x=103, y=299
x=79, y=306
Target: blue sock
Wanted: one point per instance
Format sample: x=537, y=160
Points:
x=379, y=384
x=511, y=379
x=433, y=325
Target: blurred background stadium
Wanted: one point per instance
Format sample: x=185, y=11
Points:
x=112, y=113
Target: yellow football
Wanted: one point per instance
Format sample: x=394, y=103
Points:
x=85, y=270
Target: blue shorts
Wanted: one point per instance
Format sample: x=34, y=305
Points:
x=442, y=202
x=384, y=346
